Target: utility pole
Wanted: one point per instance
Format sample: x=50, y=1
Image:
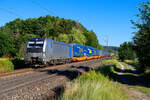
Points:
x=105, y=38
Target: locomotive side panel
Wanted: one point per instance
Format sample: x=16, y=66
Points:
x=60, y=50
x=47, y=50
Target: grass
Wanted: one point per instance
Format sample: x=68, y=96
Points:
x=115, y=63
x=96, y=85
x=6, y=65
x=127, y=65
x=112, y=62
x=115, y=67
x=133, y=63
x=145, y=77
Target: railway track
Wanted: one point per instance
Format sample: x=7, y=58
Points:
x=21, y=71
x=18, y=71
x=28, y=70
x=11, y=83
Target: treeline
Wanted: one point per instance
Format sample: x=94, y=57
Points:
x=112, y=49
x=141, y=39
x=126, y=51
x=14, y=35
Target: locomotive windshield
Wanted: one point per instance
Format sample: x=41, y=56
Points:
x=35, y=45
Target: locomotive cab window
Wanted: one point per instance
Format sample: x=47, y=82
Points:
x=35, y=45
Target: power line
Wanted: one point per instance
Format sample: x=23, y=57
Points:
x=44, y=8
x=10, y=12
x=106, y=40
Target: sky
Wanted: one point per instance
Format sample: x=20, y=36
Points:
x=109, y=19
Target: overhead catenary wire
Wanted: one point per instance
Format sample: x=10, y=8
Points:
x=106, y=40
x=10, y=12
x=42, y=7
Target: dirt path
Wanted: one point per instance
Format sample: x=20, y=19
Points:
x=133, y=92
x=138, y=95
x=122, y=67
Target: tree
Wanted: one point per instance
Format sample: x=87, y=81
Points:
x=142, y=36
x=6, y=45
x=91, y=39
x=126, y=51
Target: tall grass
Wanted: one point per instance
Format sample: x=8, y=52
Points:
x=6, y=65
x=111, y=62
x=94, y=86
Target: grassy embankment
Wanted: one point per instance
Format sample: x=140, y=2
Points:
x=96, y=85
x=144, y=76
x=132, y=63
x=6, y=65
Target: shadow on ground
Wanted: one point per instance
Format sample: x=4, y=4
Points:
x=19, y=64
x=71, y=72
x=128, y=77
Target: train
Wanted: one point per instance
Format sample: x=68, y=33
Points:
x=44, y=51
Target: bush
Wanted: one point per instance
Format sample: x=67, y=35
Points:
x=6, y=65
x=126, y=51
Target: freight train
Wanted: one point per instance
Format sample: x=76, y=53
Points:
x=44, y=51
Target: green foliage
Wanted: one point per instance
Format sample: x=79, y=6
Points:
x=126, y=51
x=77, y=37
x=15, y=34
x=91, y=39
x=6, y=65
x=63, y=37
x=142, y=36
x=6, y=44
x=94, y=86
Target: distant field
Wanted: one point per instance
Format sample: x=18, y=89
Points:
x=6, y=65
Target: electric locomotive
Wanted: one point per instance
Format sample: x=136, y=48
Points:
x=44, y=51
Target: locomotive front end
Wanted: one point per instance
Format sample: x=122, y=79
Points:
x=35, y=54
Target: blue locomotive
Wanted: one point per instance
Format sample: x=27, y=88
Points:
x=44, y=51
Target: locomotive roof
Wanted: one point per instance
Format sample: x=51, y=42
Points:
x=33, y=39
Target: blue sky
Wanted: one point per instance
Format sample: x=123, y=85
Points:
x=109, y=19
